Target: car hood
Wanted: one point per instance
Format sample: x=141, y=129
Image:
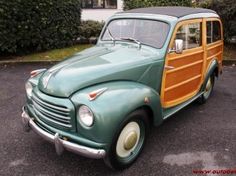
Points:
x=95, y=65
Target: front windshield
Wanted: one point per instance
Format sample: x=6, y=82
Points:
x=147, y=32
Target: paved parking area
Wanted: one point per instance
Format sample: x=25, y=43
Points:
x=196, y=138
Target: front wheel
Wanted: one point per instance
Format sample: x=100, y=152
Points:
x=129, y=141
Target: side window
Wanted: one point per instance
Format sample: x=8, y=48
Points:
x=213, y=31
x=191, y=35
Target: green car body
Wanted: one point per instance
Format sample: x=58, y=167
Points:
x=142, y=79
x=130, y=77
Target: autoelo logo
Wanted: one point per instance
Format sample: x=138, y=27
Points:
x=215, y=171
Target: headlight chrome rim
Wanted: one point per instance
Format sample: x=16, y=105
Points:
x=85, y=116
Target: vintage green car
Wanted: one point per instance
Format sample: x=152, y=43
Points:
x=148, y=63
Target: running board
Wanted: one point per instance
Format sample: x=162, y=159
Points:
x=170, y=111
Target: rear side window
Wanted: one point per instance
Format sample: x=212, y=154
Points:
x=191, y=35
x=213, y=31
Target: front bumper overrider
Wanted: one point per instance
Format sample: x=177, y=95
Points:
x=60, y=144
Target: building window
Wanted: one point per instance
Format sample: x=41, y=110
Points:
x=213, y=31
x=99, y=4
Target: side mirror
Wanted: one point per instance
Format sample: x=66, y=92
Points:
x=179, y=44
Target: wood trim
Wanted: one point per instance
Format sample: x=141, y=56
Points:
x=183, y=67
x=186, y=53
x=211, y=57
x=182, y=83
x=176, y=102
x=204, y=40
x=214, y=44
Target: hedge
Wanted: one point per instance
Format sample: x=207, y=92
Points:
x=131, y=4
x=29, y=25
x=90, y=28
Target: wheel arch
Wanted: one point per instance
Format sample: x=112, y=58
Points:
x=213, y=68
x=147, y=109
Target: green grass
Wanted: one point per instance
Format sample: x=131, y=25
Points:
x=52, y=55
x=60, y=54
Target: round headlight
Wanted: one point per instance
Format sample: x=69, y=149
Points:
x=85, y=115
x=28, y=88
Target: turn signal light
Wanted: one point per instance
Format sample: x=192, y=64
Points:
x=93, y=95
x=36, y=72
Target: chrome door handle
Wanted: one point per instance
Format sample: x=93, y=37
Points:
x=168, y=67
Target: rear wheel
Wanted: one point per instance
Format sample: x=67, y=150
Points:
x=129, y=141
x=208, y=90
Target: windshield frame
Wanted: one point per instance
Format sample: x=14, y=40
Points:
x=133, y=18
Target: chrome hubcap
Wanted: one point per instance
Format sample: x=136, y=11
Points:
x=208, y=86
x=130, y=140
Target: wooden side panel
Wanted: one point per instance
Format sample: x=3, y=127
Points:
x=185, y=73
x=186, y=89
x=214, y=51
x=183, y=81
x=177, y=60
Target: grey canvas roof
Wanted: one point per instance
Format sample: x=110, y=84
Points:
x=170, y=11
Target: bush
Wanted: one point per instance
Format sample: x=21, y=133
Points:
x=29, y=25
x=90, y=28
x=227, y=11
x=131, y=4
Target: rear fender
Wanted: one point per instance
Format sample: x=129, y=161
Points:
x=211, y=69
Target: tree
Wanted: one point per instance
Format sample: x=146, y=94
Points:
x=226, y=9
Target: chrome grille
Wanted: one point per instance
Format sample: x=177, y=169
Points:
x=47, y=112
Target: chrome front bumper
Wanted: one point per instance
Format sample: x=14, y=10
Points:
x=60, y=144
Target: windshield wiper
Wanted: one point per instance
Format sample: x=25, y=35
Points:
x=111, y=36
x=133, y=40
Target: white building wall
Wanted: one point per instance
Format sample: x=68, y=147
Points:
x=101, y=14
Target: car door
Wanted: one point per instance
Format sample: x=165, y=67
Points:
x=182, y=75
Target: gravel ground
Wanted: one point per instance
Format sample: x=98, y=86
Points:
x=196, y=138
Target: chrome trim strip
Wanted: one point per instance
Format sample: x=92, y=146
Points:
x=49, y=105
x=51, y=120
x=59, y=143
x=53, y=115
x=50, y=108
x=168, y=67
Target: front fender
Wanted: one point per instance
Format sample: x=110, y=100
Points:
x=112, y=107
